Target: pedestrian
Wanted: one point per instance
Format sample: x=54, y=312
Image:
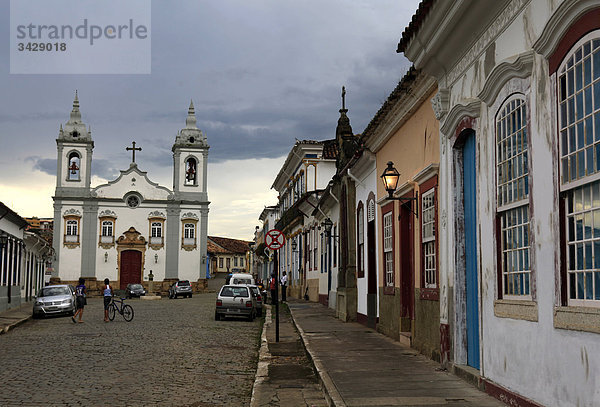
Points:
x=80, y=301
x=283, y=286
x=107, y=292
x=273, y=288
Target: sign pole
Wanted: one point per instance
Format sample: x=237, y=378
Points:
x=276, y=265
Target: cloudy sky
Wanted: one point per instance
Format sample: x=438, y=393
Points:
x=261, y=73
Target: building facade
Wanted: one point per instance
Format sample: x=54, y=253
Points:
x=518, y=103
x=131, y=229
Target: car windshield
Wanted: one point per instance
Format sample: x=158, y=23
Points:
x=234, y=292
x=136, y=286
x=241, y=281
x=184, y=282
x=52, y=291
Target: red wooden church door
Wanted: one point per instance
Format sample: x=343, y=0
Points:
x=131, y=268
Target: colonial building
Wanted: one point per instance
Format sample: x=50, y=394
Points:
x=519, y=107
x=24, y=257
x=130, y=229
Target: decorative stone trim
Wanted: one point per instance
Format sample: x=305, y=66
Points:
x=157, y=215
x=577, y=318
x=471, y=109
x=559, y=23
x=107, y=214
x=440, y=103
x=430, y=171
x=516, y=309
x=519, y=67
x=189, y=215
x=71, y=212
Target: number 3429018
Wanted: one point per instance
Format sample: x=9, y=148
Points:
x=41, y=46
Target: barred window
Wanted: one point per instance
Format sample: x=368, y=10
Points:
x=72, y=227
x=579, y=126
x=189, y=230
x=512, y=175
x=360, y=256
x=107, y=228
x=156, y=229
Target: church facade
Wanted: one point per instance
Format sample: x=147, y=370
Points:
x=130, y=230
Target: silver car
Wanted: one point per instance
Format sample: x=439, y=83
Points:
x=54, y=299
x=235, y=301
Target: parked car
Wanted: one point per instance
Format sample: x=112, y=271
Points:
x=241, y=278
x=134, y=290
x=258, y=298
x=54, y=299
x=180, y=288
x=235, y=301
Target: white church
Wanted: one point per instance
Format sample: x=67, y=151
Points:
x=130, y=230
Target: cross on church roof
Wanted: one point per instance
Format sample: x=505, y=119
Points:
x=133, y=150
x=343, y=97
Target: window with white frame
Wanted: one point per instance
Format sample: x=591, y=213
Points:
x=388, y=253
x=189, y=234
x=315, y=247
x=308, y=248
x=71, y=230
x=428, y=238
x=578, y=81
x=156, y=232
x=220, y=262
x=107, y=231
x=335, y=246
x=512, y=188
x=235, y=262
x=360, y=232
x=241, y=262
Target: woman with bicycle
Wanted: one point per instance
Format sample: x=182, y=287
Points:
x=108, y=293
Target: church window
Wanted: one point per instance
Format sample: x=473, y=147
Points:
x=71, y=237
x=133, y=201
x=74, y=167
x=107, y=228
x=191, y=171
x=189, y=234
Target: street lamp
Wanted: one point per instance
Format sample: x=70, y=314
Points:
x=294, y=246
x=156, y=258
x=328, y=225
x=390, y=179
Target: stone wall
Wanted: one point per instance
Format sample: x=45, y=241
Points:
x=389, y=314
x=427, y=326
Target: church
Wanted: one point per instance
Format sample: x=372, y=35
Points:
x=130, y=230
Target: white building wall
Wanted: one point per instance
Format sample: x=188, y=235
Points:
x=554, y=367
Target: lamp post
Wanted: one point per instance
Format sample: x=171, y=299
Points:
x=390, y=179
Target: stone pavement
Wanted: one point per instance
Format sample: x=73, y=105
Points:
x=13, y=317
x=285, y=375
x=358, y=366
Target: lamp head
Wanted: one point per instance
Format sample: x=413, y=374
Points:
x=390, y=178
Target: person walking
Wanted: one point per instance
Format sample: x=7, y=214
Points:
x=107, y=292
x=283, y=286
x=80, y=301
x=273, y=288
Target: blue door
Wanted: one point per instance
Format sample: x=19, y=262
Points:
x=472, y=293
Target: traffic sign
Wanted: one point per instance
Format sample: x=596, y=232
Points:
x=274, y=239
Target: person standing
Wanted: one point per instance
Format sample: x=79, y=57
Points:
x=80, y=301
x=283, y=286
x=107, y=292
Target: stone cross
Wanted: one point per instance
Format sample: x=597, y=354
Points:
x=133, y=150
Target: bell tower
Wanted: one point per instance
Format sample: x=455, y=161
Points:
x=190, y=153
x=74, y=156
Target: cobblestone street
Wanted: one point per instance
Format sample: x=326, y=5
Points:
x=172, y=353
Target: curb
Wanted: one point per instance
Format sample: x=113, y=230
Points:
x=264, y=357
x=14, y=324
x=330, y=392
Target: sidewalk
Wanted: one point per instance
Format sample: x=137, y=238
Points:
x=15, y=316
x=358, y=366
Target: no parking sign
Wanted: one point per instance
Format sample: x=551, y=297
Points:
x=274, y=239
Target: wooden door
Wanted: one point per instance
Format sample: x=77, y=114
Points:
x=131, y=268
x=472, y=287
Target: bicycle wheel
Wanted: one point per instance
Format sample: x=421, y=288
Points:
x=112, y=309
x=127, y=312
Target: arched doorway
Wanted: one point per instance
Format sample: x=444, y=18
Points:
x=131, y=248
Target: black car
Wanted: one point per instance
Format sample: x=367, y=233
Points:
x=134, y=290
x=181, y=288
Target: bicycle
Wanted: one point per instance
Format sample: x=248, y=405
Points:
x=125, y=310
